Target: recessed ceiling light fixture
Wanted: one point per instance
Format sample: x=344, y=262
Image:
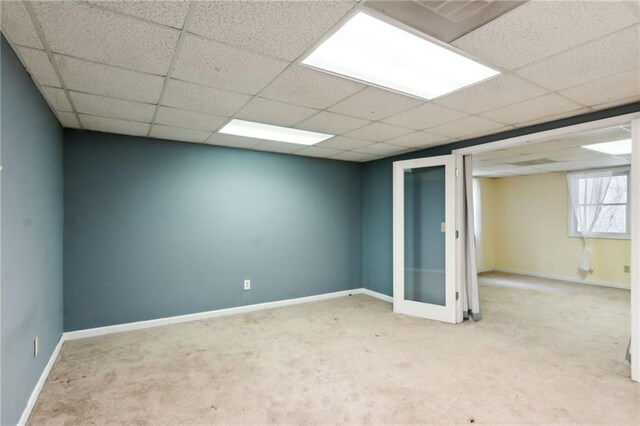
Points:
x=251, y=129
x=620, y=147
x=373, y=51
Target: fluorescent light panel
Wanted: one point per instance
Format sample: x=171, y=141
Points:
x=620, y=147
x=373, y=51
x=269, y=132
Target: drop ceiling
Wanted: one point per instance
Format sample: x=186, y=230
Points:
x=553, y=155
x=181, y=70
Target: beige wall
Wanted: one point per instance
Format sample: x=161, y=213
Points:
x=525, y=229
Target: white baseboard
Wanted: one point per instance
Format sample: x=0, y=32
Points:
x=376, y=295
x=99, y=331
x=43, y=378
x=563, y=278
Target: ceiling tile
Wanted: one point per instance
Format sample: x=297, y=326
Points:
x=82, y=31
x=102, y=106
x=419, y=140
x=335, y=124
x=607, y=56
x=17, y=25
x=341, y=142
x=355, y=156
x=83, y=76
x=193, y=97
x=492, y=94
x=377, y=132
x=189, y=119
x=112, y=125
x=374, y=104
x=538, y=29
x=233, y=141
x=39, y=66
x=68, y=119
x=314, y=151
x=606, y=90
x=171, y=13
x=427, y=115
x=214, y=64
x=282, y=147
x=271, y=112
x=304, y=86
x=553, y=117
x=467, y=126
x=382, y=149
x=57, y=99
x=532, y=109
x=284, y=29
x=178, y=134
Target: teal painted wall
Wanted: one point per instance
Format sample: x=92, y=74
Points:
x=30, y=234
x=155, y=228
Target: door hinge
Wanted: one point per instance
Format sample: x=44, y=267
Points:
x=457, y=172
x=457, y=234
x=457, y=295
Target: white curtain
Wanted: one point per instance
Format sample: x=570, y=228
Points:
x=469, y=289
x=587, y=191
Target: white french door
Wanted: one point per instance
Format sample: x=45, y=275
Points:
x=424, y=238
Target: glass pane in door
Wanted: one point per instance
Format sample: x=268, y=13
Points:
x=424, y=237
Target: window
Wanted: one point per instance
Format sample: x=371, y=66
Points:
x=598, y=203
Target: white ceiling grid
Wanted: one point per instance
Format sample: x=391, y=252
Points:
x=180, y=70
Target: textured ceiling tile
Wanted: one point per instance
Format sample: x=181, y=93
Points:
x=335, y=124
x=382, y=149
x=284, y=29
x=304, y=86
x=218, y=65
x=39, y=66
x=189, y=119
x=271, y=112
x=17, y=25
x=492, y=94
x=464, y=127
x=282, y=147
x=178, y=134
x=377, y=132
x=233, y=141
x=68, y=119
x=102, y=106
x=82, y=31
x=57, y=99
x=418, y=140
x=193, y=97
x=374, y=104
x=89, y=77
x=314, y=151
x=341, y=142
x=606, y=90
x=355, y=156
x=532, y=109
x=112, y=125
x=171, y=13
x=610, y=55
x=552, y=117
x=539, y=29
x=427, y=115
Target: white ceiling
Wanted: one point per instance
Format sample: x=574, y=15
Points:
x=553, y=155
x=180, y=70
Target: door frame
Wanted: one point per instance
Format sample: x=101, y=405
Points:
x=447, y=313
x=625, y=119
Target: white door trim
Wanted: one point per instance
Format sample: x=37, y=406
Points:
x=633, y=118
x=445, y=313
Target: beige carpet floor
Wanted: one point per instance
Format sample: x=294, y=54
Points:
x=545, y=353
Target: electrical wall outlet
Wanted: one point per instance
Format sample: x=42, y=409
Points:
x=247, y=284
x=35, y=347
x=626, y=269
